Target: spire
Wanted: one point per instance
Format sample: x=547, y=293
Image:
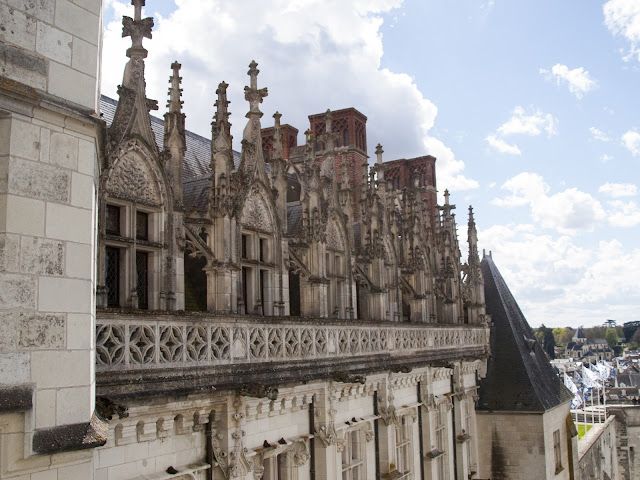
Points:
x=221, y=155
x=472, y=236
x=174, y=131
x=132, y=114
x=277, y=137
x=175, y=92
x=252, y=156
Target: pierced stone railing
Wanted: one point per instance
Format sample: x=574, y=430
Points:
x=133, y=341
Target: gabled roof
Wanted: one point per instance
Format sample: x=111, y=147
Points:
x=579, y=333
x=519, y=375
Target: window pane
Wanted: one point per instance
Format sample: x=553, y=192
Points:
x=113, y=220
x=142, y=226
x=112, y=276
x=142, y=284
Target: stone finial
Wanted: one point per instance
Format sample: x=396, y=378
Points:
x=446, y=197
x=137, y=28
x=252, y=94
x=379, y=153
x=175, y=92
x=221, y=104
x=277, y=137
x=328, y=121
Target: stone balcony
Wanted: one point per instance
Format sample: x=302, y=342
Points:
x=148, y=354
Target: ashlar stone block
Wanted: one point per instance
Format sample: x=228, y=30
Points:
x=77, y=21
x=64, y=150
x=72, y=85
x=9, y=252
x=45, y=408
x=41, y=256
x=64, y=295
x=40, y=9
x=17, y=28
x=23, y=215
x=72, y=405
x=34, y=180
x=84, y=57
x=14, y=368
x=17, y=291
x=69, y=223
x=53, y=43
x=25, y=140
x=41, y=330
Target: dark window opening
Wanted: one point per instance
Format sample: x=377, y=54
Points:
x=142, y=226
x=113, y=220
x=263, y=250
x=244, y=246
x=112, y=277
x=294, y=294
x=142, y=279
x=244, y=287
x=345, y=138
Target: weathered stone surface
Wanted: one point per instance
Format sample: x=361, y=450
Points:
x=64, y=150
x=15, y=399
x=17, y=28
x=17, y=291
x=67, y=438
x=41, y=9
x=38, y=330
x=14, y=368
x=36, y=180
x=8, y=332
x=53, y=43
x=41, y=256
x=9, y=252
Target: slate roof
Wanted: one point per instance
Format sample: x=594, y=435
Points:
x=519, y=375
x=294, y=219
x=196, y=170
x=579, y=333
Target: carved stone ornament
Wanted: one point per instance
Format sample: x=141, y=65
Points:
x=259, y=391
x=131, y=179
x=326, y=434
x=334, y=238
x=299, y=453
x=255, y=214
x=389, y=415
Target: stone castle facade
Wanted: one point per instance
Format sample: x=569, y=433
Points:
x=174, y=308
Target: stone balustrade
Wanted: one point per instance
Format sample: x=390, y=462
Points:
x=132, y=341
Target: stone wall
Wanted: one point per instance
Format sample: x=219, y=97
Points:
x=521, y=444
x=49, y=143
x=598, y=452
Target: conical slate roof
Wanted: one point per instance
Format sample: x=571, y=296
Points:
x=519, y=375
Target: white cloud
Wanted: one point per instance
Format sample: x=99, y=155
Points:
x=502, y=146
x=312, y=55
x=617, y=190
x=533, y=124
x=622, y=17
x=624, y=214
x=604, y=158
x=598, y=134
x=567, y=212
x=578, y=79
x=559, y=283
x=522, y=123
x=631, y=140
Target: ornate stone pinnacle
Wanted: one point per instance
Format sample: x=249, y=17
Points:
x=328, y=121
x=379, y=153
x=253, y=74
x=137, y=28
x=446, y=197
x=252, y=94
x=276, y=117
x=175, y=92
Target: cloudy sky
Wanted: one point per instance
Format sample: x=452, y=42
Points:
x=531, y=108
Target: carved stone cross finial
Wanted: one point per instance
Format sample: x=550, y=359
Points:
x=137, y=28
x=251, y=93
x=276, y=117
x=175, y=92
x=446, y=197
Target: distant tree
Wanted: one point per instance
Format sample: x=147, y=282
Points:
x=610, y=323
x=611, y=336
x=548, y=342
x=636, y=337
x=594, y=332
x=629, y=329
x=562, y=335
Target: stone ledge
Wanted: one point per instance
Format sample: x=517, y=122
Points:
x=16, y=399
x=67, y=438
x=124, y=386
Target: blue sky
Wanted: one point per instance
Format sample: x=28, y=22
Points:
x=530, y=107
